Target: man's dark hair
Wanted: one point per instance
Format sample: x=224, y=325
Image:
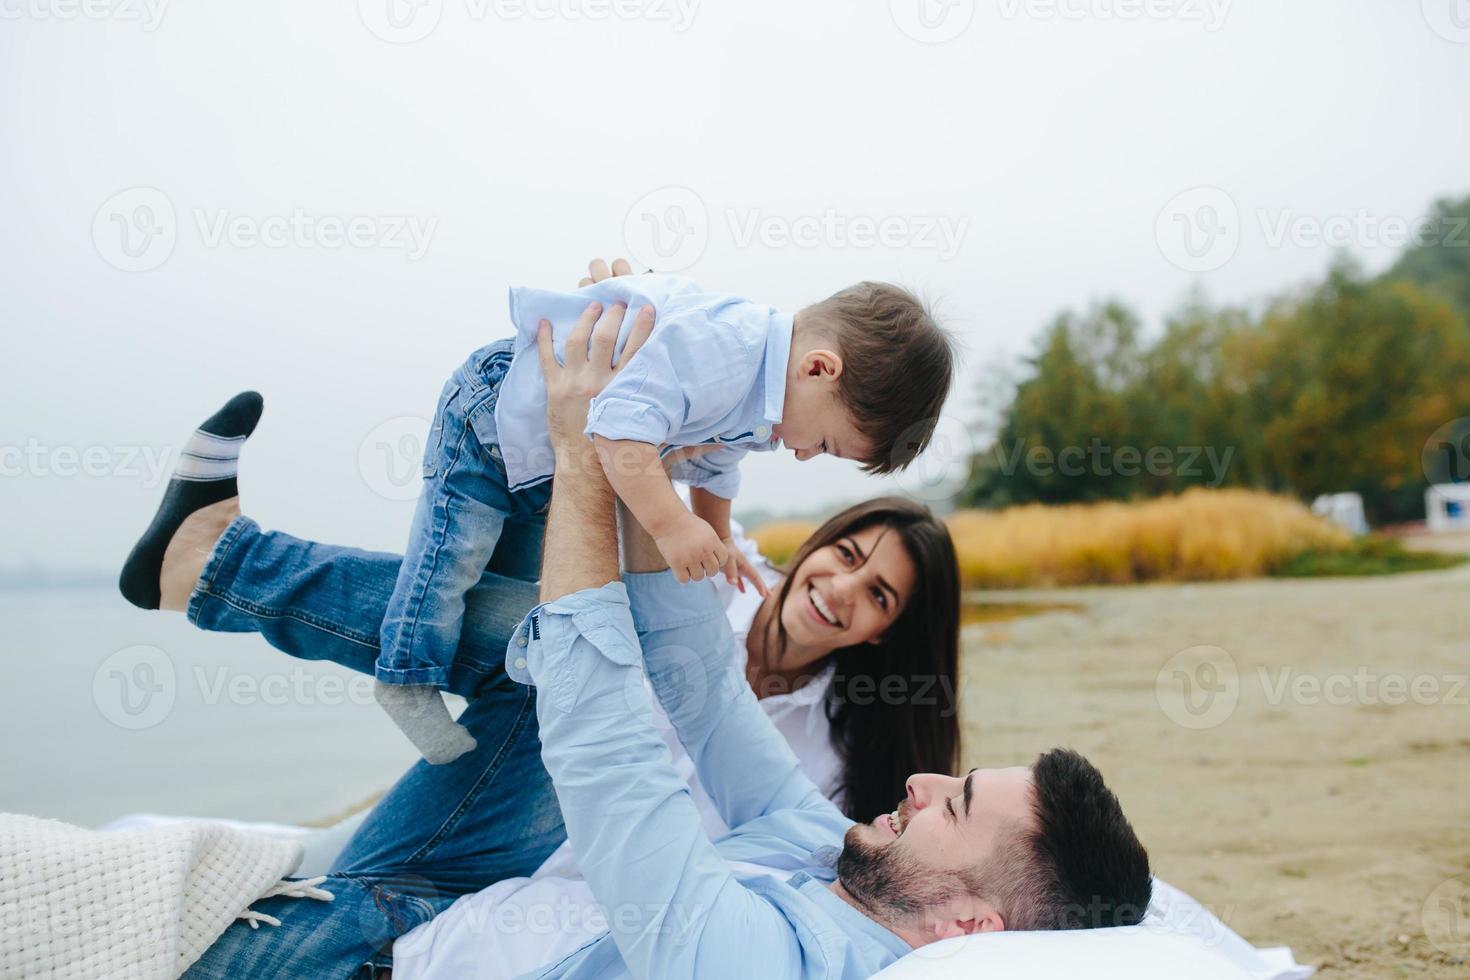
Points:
x=897, y=364
x=1081, y=866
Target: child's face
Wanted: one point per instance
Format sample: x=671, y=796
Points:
x=814, y=420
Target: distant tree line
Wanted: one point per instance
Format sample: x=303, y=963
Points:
x=1349, y=385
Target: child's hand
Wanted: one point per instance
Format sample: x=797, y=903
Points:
x=692, y=549
x=738, y=569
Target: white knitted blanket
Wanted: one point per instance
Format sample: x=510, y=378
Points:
x=139, y=904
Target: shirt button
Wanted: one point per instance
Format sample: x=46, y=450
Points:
x=520, y=639
x=761, y=431
x=520, y=663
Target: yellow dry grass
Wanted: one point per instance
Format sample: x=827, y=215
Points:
x=1197, y=535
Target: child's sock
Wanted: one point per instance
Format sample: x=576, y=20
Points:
x=205, y=475
x=419, y=710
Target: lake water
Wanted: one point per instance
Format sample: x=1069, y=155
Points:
x=108, y=710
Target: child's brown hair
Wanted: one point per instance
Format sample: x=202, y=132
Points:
x=897, y=367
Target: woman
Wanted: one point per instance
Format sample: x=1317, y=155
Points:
x=853, y=653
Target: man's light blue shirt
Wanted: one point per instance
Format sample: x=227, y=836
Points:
x=676, y=905
x=714, y=372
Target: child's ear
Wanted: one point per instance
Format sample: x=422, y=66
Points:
x=821, y=364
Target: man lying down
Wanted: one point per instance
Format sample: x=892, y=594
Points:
x=795, y=889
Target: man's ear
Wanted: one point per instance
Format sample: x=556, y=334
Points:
x=985, y=919
x=821, y=364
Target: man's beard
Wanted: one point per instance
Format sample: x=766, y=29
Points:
x=891, y=885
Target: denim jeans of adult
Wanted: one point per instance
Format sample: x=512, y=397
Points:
x=465, y=515
x=441, y=831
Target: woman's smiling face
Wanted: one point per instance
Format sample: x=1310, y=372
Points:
x=850, y=591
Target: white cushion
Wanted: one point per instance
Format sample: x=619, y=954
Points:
x=1131, y=953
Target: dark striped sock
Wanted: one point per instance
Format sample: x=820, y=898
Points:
x=205, y=474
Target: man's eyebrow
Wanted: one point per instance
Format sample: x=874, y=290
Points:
x=969, y=780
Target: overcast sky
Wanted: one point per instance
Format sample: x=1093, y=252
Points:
x=327, y=202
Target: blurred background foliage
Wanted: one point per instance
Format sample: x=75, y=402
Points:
x=1337, y=386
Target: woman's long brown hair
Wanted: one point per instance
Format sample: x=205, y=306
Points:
x=892, y=704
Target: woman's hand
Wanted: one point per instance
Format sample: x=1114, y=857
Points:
x=589, y=367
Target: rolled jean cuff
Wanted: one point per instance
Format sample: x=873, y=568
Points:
x=223, y=563
x=412, y=676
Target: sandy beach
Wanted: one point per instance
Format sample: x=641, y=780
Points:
x=1314, y=789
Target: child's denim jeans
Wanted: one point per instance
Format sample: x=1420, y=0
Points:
x=463, y=515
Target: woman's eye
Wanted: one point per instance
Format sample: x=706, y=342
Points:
x=881, y=598
x=846, y=554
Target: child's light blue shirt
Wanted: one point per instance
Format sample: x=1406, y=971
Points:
x=714, y=372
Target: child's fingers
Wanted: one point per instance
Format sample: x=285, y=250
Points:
x=597, y=270
x=620, y=267
x=544, y=349
x=757, y=581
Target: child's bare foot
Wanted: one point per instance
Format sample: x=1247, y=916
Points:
x=203, y=482
x=184, y=558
